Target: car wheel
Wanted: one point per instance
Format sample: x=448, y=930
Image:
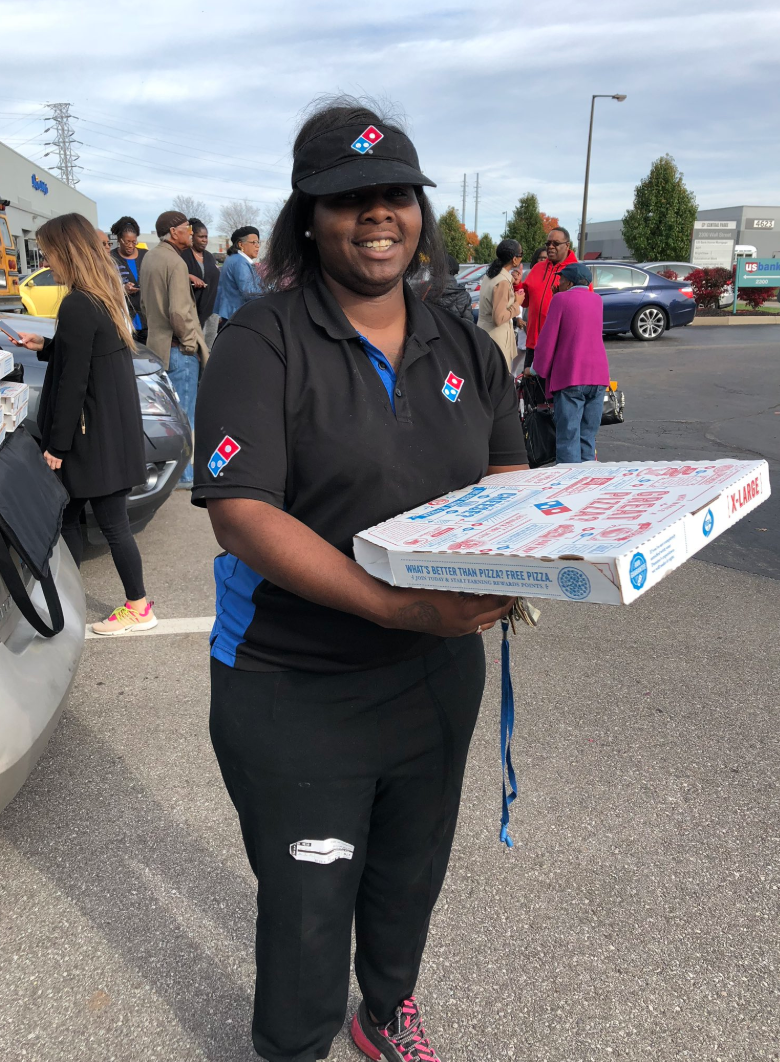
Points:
x=649, y=323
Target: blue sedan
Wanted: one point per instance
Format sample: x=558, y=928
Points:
x=639, y=301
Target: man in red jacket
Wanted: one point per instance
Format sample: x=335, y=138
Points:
x=541, y=284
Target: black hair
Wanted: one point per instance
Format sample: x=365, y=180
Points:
x=196, y=225
x=453, y=265
x=560, y=228
x=125, y=224
x=537, y=255
x=293, y=258
x=505, y=252
x=241, y=234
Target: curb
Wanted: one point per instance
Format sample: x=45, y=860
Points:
x=774, y=319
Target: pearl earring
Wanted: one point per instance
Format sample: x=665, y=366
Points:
x=307, y=234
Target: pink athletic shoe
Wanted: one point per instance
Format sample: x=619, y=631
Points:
x=125, y=620
x=403, y=1039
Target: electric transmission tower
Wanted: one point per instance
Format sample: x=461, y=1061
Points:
x=63, y=143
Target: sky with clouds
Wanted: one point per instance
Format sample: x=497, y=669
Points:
x=203, y=99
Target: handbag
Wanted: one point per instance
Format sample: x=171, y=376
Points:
x=32, y=501
x=538, y=422
x=614, y=407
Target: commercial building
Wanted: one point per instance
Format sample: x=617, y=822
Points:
x=35, y=195
x=717, y=235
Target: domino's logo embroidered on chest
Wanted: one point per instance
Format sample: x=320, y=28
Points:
x=225, y=452
x=452, y=387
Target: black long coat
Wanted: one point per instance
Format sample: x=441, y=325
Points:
x=89, y=413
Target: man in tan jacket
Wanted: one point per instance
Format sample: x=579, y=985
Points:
x=168, y=304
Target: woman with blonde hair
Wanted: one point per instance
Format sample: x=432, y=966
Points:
x=89, y=415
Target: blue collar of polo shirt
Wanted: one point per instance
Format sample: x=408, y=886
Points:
x=326, y=312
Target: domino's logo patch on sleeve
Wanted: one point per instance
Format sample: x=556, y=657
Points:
x=225, y=452
x=574, y=583
x=637, y=571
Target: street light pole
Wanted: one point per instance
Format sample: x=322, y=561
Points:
x=619, y=98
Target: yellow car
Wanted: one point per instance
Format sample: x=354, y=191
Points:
x=40, y=294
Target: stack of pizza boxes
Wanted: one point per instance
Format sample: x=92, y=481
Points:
x=13, y=397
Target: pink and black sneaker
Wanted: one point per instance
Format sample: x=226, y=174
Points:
x=403, y=1039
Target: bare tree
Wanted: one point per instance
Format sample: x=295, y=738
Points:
x=235, y=215
x=268, y=216
x=193, y=208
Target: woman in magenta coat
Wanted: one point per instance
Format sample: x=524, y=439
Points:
x=571, y=358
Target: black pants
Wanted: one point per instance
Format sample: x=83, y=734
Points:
x=374, y=759
x=111, y=514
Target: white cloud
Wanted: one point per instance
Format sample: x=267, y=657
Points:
x=179, y=96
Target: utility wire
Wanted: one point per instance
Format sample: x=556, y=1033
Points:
x=188, y=174
x=164, y=188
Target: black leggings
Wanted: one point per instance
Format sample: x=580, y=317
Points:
x=111, y=514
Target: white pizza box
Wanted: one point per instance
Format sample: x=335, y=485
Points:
x=13, y=396
x=11, y=421
x=6, y=363
x=601, y=531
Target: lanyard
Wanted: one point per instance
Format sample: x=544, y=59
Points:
x=507, y=729
x=525, y=611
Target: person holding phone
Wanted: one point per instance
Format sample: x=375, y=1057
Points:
x=89, y=415
x=128, y=257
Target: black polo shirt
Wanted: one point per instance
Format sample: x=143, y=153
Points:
x=295, y=409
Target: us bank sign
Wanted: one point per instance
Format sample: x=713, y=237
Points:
x=40, y=186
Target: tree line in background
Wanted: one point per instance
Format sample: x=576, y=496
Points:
x=528, y=225
x=232, y=216
x=658, y=226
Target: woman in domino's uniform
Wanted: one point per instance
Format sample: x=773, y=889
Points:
x=342, y=708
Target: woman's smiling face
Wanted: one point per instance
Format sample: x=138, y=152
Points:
x=367, y=237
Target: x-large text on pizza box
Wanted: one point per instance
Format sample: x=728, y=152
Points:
x=601, y=532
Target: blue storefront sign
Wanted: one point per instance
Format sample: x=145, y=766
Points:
x=40, y=186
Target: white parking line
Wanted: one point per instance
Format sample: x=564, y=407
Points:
x=190, y=625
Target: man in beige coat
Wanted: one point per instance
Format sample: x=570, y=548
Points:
x=168, y=304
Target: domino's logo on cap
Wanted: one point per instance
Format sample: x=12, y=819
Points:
x=225, y=452
x=367, y=139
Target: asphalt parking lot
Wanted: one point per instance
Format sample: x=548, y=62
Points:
x=637, y=916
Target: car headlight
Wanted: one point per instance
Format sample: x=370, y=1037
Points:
x=156, y=401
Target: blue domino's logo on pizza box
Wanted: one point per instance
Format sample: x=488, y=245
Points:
x=574, y=583
x=637, y=571
x=709, y=523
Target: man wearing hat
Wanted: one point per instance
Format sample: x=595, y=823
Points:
x=168, y=304
x=571, y=358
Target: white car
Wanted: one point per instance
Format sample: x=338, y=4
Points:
x=682, y=269
x=36, y=673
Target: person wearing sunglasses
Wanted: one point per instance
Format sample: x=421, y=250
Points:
x=541, y=284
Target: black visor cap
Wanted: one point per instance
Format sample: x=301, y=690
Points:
x=356, y=156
